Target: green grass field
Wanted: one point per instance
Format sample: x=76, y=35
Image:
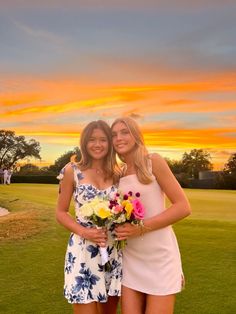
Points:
x=32, y=248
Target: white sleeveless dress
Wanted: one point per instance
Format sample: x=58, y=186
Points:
x=151, y=263
x=86, y=279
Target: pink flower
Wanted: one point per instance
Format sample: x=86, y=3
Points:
x=139, y=210
x=118, y=209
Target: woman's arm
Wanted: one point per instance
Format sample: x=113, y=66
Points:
x=62, y=211
x=178, y=209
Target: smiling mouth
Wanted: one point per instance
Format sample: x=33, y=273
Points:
x=120, y=145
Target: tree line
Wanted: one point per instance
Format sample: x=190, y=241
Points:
x=191, y=164
x=15, y=148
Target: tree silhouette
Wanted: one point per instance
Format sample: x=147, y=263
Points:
x=14, y=148
x=64, y=159
x=195, y=161
x=230, y=166
x=229, y=173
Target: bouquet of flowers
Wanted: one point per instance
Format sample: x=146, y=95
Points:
x=126, y=208
x=98, y=212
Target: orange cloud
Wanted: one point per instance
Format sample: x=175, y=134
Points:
x=203, y=138
x=19, y=99
x=71, y=93
x=28, y=101
x=174, y=138
x=100, y=103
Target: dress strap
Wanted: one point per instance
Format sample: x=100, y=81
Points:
x=78, y=175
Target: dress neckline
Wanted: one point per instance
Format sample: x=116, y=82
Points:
x=101, y=190
x=128, y=175
x=90, y=184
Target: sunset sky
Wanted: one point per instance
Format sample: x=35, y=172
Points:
x=169, y=64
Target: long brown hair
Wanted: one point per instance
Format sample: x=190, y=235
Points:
x=110, y=164
x=141, y=158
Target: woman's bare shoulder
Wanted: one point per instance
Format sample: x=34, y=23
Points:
x=68, y=170
x=155, y=157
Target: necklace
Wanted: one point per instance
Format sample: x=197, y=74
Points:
x=97, y=170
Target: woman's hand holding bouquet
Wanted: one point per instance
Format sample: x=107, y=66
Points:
x=128, y=213
x=98, y=212
x=125, y=211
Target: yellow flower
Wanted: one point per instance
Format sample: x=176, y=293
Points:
x=128, y=208
x=101, y=210
x=104, y=213
x=124, y=203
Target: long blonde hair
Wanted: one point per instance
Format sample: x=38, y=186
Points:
x=109, y=164
x=141, y=158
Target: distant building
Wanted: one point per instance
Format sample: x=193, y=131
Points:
x=209, y=175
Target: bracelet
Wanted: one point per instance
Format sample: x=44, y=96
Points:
x=143, y=228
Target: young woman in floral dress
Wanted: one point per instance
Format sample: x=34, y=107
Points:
x=89, y=286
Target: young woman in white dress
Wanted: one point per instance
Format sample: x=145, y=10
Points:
x=152, y=271
x=90, y=286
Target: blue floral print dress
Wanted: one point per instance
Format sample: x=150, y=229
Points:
x=86, y=279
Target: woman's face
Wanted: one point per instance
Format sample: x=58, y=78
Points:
x=98, y=145
x=122, y=139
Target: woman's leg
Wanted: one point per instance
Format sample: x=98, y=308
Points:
x=160, y=304
x=110, y=307
x=90, y=308
x=132, y=301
